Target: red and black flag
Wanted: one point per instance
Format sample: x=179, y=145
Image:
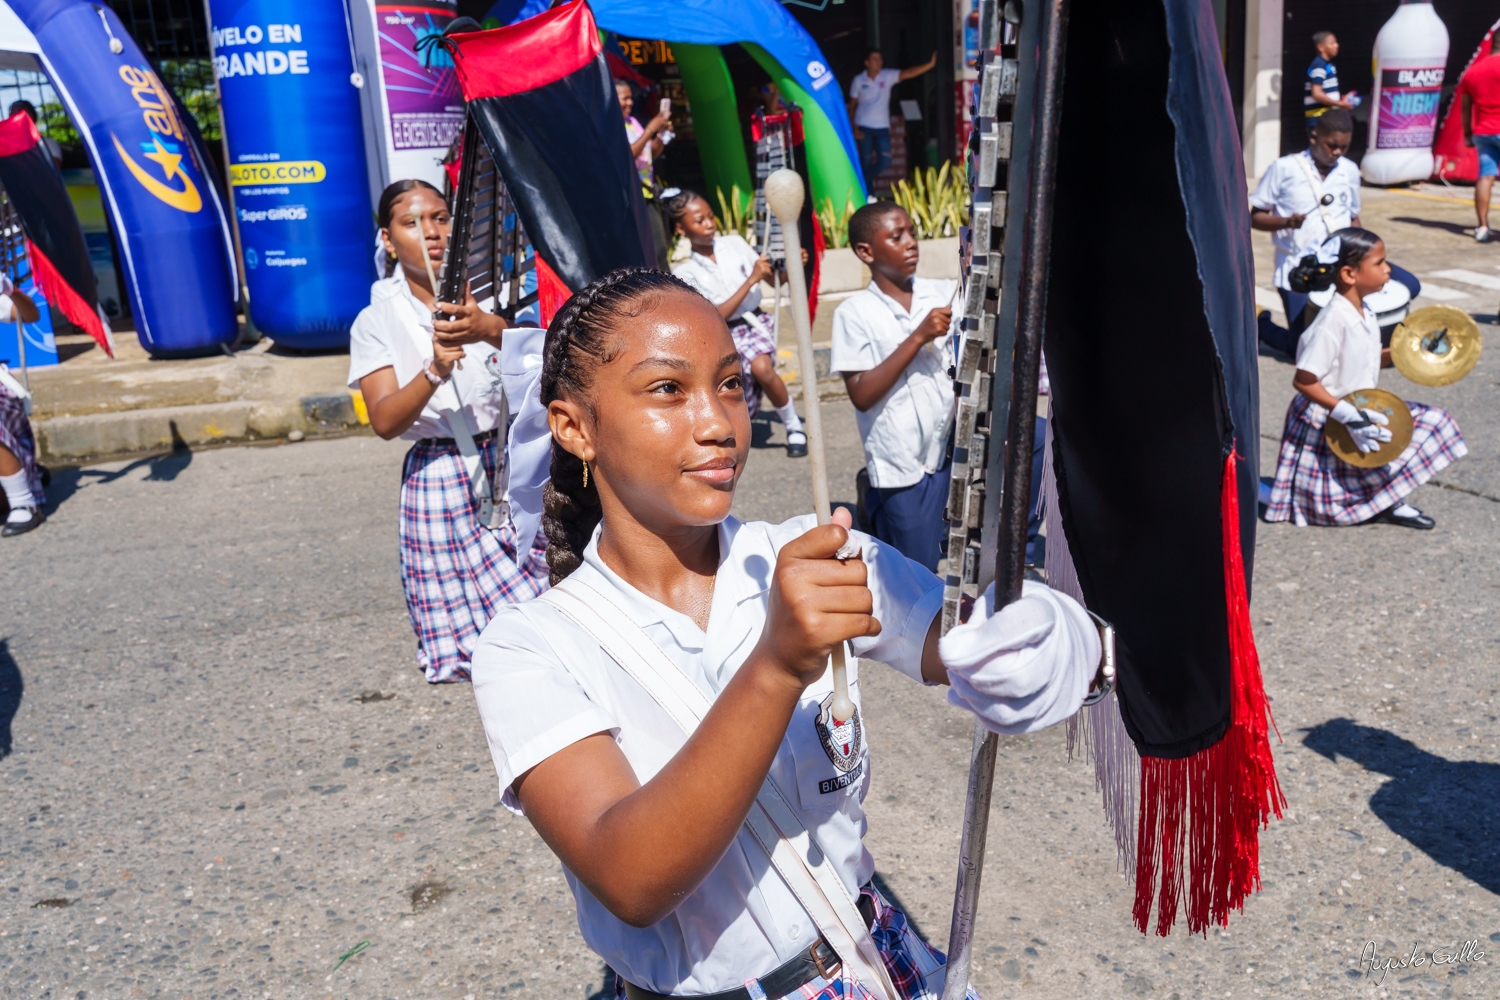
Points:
x=54, y=240
x=541, y=95
x=1157, y=439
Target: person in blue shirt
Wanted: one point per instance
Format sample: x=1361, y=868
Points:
x=1320, y=91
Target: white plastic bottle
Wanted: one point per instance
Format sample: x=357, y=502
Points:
x=1411, y=52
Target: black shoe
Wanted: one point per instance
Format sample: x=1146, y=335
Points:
x=796, y=444
x=1420, y=521
x=37, y=517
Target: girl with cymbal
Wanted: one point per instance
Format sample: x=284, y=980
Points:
x=728, y=271
x=1337, y=355
x=662, y=714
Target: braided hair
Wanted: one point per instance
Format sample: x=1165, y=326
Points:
x=674, y=207
x=582, y=336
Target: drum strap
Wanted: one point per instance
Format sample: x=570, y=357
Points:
x=772, y=821
x=1305, y=162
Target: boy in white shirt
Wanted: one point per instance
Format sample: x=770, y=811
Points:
x=870, y=108
x=890, y=347
x=1303, y=199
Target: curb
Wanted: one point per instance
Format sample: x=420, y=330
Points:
x=70, y=440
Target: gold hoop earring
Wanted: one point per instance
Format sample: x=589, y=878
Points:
x=585, y=475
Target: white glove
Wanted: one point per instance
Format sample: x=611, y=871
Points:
x=1366, y=427
x=1026, y=668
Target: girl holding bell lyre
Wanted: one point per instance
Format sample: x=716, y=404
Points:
x=457, y=567
x=663, y=715
x=1337, y=355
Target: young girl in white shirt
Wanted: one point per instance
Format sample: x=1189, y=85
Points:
x=728, y=272
x=455, y=570
x=654, y=793
x=1337, y=355
x=21, y=479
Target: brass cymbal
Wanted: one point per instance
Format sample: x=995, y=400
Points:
x=1400, y=426
x=1436, y=345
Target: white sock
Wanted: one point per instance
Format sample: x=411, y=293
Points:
x=788, y=415
x=1406, y=510
x=17, y=491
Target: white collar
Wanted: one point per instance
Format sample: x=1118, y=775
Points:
x=732, y=587
x=1362, y=313
x=396, y=287
x=895, y=307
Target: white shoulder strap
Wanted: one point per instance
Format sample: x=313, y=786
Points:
x=1305, y=162
x=772, y=820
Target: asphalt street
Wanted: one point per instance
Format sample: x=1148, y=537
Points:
x=221, y=774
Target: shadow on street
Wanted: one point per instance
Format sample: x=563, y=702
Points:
x=159, y=469
x=10, y=695
x=1444, y=807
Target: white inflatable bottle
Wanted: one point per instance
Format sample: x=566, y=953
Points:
x=1411, y=52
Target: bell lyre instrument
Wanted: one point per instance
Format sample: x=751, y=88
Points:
x=487, y=256
x=1012, y=160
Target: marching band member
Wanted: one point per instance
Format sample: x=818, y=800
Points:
x=455, y=570
x=19, y=476
x=636, y=711
x=1338, y=354
x=728, y=271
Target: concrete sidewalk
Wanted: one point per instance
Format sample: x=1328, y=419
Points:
x=90, y=407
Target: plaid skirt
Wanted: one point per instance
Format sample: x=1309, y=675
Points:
x=15, y=435
x=752, y=338
x=916, y=967
x=1313, y=486
x=455, y=572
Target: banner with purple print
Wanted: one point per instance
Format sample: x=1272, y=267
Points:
x=425, y=107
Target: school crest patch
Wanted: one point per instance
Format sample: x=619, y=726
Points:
x=842, y=742
x=492, y=365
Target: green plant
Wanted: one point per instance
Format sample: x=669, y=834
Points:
x=734, y=214
x=936, y=199
x=835, y=225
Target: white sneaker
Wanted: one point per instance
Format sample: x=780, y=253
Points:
x=1482, y=234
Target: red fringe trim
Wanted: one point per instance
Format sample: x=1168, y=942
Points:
x=551, y=293
x=63, y=296
x=1198, y=839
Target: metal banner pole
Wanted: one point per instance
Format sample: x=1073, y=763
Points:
x=1035, y=218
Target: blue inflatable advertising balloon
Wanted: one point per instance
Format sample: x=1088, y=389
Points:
x=153, y=174
x=297, y=163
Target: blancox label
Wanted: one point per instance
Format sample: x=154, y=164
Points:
x=279, y=172
x=1408, y=107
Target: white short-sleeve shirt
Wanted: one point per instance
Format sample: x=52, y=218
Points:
x=906, y=432
x=542, y=684
x=720, y=276
x=1286, y=190
x=395, y=331
x=1342, y=348
x=872, y=108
